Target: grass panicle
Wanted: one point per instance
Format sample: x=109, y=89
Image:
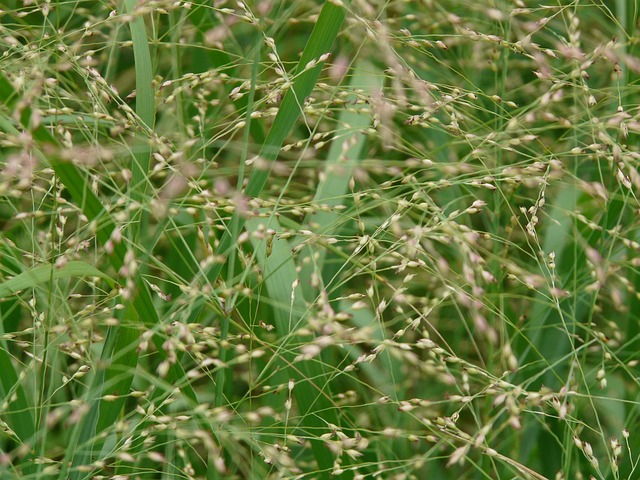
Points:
x=319, y=240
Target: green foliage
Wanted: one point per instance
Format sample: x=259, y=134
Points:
x=301, y=240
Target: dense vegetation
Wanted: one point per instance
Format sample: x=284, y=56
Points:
x=313, y=240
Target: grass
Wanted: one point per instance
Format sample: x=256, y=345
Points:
x=301, y=240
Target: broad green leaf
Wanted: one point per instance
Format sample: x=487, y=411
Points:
x=44, y=273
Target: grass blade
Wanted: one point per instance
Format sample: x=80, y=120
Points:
x=311, y=394
x=145, y=109
x=338, y=171
x=320, y=42
x=43, y=273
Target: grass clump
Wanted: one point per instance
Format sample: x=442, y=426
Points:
x=293, y=240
